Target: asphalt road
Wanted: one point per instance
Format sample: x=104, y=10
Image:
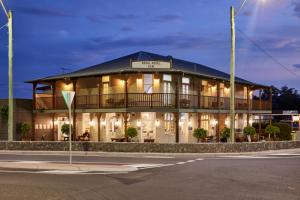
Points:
x=260, y=176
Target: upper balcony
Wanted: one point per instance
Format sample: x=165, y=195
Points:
x=151, y=100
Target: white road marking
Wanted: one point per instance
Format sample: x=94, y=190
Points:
x=62, y=172
x=180, y=163
x=190, y=161
x=158, y=157
x=30, y=162
x=199, y=159
x=284, y=154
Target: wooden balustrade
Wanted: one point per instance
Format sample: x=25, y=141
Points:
x=151, y=100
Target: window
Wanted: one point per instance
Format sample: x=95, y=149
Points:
x=169, y=119
x=185, y=86
x=167, y=77
x=204, y=122
x=105, y=79
x=148, y=83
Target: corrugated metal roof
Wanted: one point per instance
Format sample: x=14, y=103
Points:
x=122, y=64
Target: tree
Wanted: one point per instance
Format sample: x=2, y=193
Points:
x=249, y=131
x=225, y=133
x=65, y=129
x=131, y=132
x=24, y=128
x=272, y=130
x=200, y=133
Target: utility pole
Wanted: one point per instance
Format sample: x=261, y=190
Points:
x=10, y=73
x=10, y=78
x=232, y=76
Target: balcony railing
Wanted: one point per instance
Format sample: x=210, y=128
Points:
x=151, y=100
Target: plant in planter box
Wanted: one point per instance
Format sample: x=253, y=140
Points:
x=272, y=131
x=4, y=112
x=249, y=131
x=200, y=134
x=25, y=130
x=131, y=132
x=225, y=134
x=65, y=129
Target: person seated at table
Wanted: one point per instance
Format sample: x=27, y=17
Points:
x=86, y=135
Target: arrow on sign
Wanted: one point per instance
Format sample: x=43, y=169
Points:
x=68, y=97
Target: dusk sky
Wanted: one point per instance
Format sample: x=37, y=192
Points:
x=51, y=34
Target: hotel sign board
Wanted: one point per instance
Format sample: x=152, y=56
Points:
x=151, y=65
x=290, y=112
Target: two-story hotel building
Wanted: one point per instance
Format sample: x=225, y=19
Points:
x=163, y=97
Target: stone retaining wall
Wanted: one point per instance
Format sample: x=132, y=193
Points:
x=149, y=147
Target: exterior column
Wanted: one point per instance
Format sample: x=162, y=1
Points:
x=270, y=106
x=259, y=122
x=218, y=115
x=199, y=92
x=125, y=125
x=34, y=108
x=74, y=110
x=53, y=127
x=53, y=95
x=176, y=115
x=99, y=125
x=248, y=106
x=99, y=91
x=126, y=91
x=177, y=96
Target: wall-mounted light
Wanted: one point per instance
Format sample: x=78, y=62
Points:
x=138, y=123
x=180, y=123
x=227, y=122
x=103, y=123
x=190, y=124
x=118, y=123
x=157, y=123
x=55, y=122
x=91, y=123
x=213, y=122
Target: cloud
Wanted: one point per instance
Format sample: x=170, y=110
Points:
x=126, y=28
x=248, y=13
x=42, y=12
x=296, y=5
x=170, y=41
x=103, y=18
x=167, y=18
x=297, y=66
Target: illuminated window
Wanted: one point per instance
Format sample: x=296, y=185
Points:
x=167, y=77
x=105, y=79
x=169, y=122
x=148, y=83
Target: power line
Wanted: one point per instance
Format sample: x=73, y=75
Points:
x=268, y=54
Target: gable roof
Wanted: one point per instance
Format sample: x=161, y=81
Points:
x=123, y=64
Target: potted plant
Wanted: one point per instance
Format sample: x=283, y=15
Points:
x=249, y=131
x=131, y=132
x=272, y=131
x=25, y=129
x=225, y=134
x=4, y=112
x=200, y=133
x=65, y=129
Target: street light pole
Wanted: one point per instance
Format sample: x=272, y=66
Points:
x=10, y=78
x=232, y=76
x=10, y=74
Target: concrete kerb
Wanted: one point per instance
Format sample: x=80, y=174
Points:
x=148, y=147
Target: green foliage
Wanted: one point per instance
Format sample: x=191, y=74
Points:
x=131, y=132
x=65, y=128
x=285, y=131
x=272, y=130
x=4, y=112
x=225, y=132
x=25, y=129
x=249, y=130
x=200, y=133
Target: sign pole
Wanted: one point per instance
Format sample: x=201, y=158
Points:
x=70, y=137
x=68, y=97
